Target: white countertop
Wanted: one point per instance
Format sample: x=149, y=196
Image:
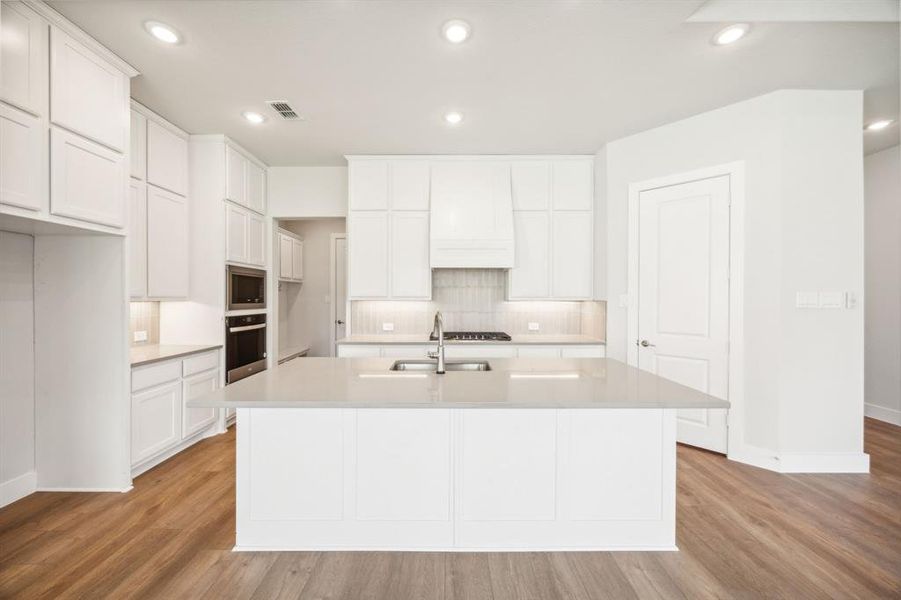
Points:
x=550, y=340
x=150, y=353
x=512, y=383
x=292, y=351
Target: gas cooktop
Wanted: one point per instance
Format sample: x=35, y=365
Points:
x=474, y=336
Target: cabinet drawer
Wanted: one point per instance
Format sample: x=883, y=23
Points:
x=155, y=374
x=200, y=362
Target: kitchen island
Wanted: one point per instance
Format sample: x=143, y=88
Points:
x=534, y=454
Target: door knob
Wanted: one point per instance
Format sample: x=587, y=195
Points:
x=647, y=344
x=339, y=322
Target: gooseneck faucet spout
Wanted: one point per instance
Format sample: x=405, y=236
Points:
x=438, y=332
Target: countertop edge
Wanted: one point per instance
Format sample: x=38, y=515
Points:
x=513, y=342
x=186, y=351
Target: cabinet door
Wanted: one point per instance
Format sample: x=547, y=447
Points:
x=296, y=259
x=137, y=239
x=235, y=189
x=87, y=94
x=256, y=187
x=368, y=185
x=573, y=250
x=138, y=152
x=368, y=254
x=480, y=351
x=155, y=421
x=167, y=244
x=411, y=275
x=573, y=184
x=530, y=275
x=167, y=159
x=531, y=184
x=256, y=249
x=23, y=59
x=22, y=158
x=236, y=233
x=87, y=181
x=285, y=252
x=195, y=420
x=410, y=185
x=583, y=351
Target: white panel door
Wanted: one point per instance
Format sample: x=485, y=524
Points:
x=285, y=268
x=411, y=275
x=23, y=59
x=256, y=187
x=368, y=259
x=235, y=176
x=167, y=159
x=87, y=180
x=340, y=299
x=167, y=244
x=155, y=420
x=531, y=185
x=23, y=158
x=573, y=184
x=137, y=239
x=138, y=152
x=195, y=420
x=683, y=298
x=410, y=185
x=296, y=259
x=256, y=248
x=530, y=277
x=235, y=233
x=573, y=251
x=368, y=185
x=87, y=94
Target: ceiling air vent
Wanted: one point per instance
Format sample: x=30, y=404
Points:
x=284, y=109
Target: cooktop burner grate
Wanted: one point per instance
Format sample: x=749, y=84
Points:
x=474, y=336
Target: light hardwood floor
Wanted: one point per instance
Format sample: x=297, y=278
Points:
x=743, y=533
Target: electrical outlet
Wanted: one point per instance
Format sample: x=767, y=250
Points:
x=387, y=326
x=140, y=336
x=534, y=326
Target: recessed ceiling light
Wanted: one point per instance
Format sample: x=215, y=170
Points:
x=162, y=32
x=453, y=118
x=254, y=117
x=456, y=31
x=879, y=125
x=731, y=34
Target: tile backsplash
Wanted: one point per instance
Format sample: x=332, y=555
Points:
x=473, y=300
x=144, y=316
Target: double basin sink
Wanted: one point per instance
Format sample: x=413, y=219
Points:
x=431, y=365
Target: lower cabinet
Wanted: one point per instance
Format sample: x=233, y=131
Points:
x=161, y=423
x=414, y=351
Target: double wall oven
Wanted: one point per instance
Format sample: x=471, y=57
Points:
x=245, y=334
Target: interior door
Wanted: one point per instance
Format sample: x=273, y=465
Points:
x=683, y=297
x=340, y=299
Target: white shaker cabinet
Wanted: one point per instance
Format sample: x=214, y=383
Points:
x=88, y=95
x=244, y=236
x=573, y=184
x=156, y=420
x=409, y=189
x=530, y=275
x=531, y=184
x=138, y=152
x=167, y=244
x=255, y=183
x=235, y=189
x=256, y=248
x=23, y=161
x=368, y=185
x=137, y=239
x=297, y=259
x=410, y=272
x=23, y=59
x=195, y=420
x=290, y=257
x=167, y=158
x=572, y=256
x=368, y=254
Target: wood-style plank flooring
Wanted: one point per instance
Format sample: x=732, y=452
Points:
x=743, y=533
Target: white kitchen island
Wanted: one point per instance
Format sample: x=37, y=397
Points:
x=536, y=454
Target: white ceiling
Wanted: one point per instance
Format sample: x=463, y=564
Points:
x=562, y=76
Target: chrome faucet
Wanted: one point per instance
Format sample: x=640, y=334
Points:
x=438, y=332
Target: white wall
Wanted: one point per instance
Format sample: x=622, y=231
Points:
x=304, y=310
x=17, y=474
x=302, y=192
x=803, y=371
x=882, y=190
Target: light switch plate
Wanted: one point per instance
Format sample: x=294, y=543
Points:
x=387, y=326
x=140, y=336
x=807, y=300
x=832, y=299
x=534, y=326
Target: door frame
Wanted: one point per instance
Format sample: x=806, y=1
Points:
x=333, y=305
x=735, y=385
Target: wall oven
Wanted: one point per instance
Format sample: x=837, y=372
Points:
x=245, y=346
x=246, y=288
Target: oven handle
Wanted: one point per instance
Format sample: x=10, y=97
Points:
x=245, y=328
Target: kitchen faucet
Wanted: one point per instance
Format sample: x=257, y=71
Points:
x=438, y=332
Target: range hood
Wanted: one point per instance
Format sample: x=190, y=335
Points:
x=471, y=214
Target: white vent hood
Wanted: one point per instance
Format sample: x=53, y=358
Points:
x=471, y=214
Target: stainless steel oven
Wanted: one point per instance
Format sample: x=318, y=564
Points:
x=245, y=346
x=246, y=288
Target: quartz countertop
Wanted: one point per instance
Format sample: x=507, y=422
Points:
x=537, y=339
x=150, y=353
x=512, y=383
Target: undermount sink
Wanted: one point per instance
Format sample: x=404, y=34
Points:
x=431, y=365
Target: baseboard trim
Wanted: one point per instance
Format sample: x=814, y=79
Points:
x=18, y=487
x=237, y=548
x=755, y=457
x=824, y=462
x=881, y=413
x=117, y=490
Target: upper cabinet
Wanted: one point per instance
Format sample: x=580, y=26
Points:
x=368, y=185
x=23, y=59
x=245, y=180
x=88, y=95
x=167, y=244
x=255, y=184
x=138, y=145
x=167, y=158
x=573, y=184
x=23, y=160
x=409, y=187
x=531, y=180
x=244, y=236
x=290, y=257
